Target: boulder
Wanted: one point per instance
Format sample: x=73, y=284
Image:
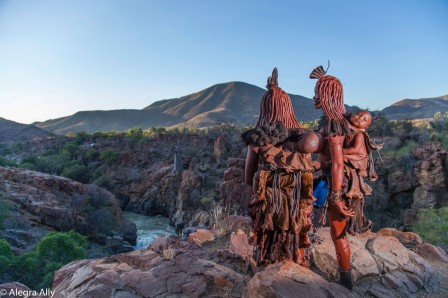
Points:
x=408, y=239
x=239, y=245
x=201, y=236
x=169, y=268
x=288, y=279
x=381, y=265
x=432, y=252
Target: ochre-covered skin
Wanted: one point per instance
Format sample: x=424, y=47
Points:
x=333, y=129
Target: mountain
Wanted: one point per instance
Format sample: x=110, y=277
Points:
x=235, y=101
x=11, y=131
x=416, y=108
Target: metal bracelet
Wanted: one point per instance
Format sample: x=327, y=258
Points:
x=335, y=197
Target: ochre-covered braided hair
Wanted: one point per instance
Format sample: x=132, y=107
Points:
x=276, y=106
x=331, y=94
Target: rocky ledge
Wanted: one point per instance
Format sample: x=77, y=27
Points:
x=382, y=267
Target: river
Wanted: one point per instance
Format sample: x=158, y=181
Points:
x=149, y=228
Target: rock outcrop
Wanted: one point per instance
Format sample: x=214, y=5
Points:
x=169, y=268
x=382, y=267
x=416, y=181
x=63, y=204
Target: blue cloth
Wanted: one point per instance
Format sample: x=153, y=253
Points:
x=320, y=192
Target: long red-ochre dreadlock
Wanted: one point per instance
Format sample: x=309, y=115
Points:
x=276, y=106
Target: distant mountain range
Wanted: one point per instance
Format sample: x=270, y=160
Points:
x=11, y=131
x=416, y=108
x=235, y=101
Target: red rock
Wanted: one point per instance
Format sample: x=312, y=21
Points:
x=146, y=273
x=287, y=279
x=201, y=236
x=239, y=244
x=432, y=252
x=408, y=239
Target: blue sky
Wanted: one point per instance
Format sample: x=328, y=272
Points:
x=59, y=57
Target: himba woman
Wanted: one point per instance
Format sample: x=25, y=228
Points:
x=279, y=169
x=333, y=128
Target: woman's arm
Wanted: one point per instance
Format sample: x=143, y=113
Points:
x=337, y=176
x=337, y=161
x=251, y=164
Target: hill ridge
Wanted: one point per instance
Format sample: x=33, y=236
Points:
x=233, y=101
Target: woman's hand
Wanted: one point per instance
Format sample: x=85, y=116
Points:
x=343, y=209
x=335, y=199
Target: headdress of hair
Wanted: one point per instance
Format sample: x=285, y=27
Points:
x=331, y=94
x=273, y=79
x=276, y=105
x=319, y=72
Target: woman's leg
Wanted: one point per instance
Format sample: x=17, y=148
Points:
x=339, y=237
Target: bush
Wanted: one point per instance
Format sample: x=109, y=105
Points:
x=76, y=172
x=104, y=182
x=406, y=148
x=61, y=247
x=36, y=268
x=26, y=268
x=51, y=164
x=206, y=201
x=7, y=163
x=6, y=257
x=28, y=166
x=432, y=226
x=109, y=156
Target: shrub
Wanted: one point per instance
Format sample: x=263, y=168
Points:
x=7, y=163
x=407, y=148
x=61, y=247
x=36, y=268
x=432, y=226
x=206, y=201
x=27, y=269
x=76, y=172
x=6, y=257
x=109, y=156
x=104, y=182
x=28, y=166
